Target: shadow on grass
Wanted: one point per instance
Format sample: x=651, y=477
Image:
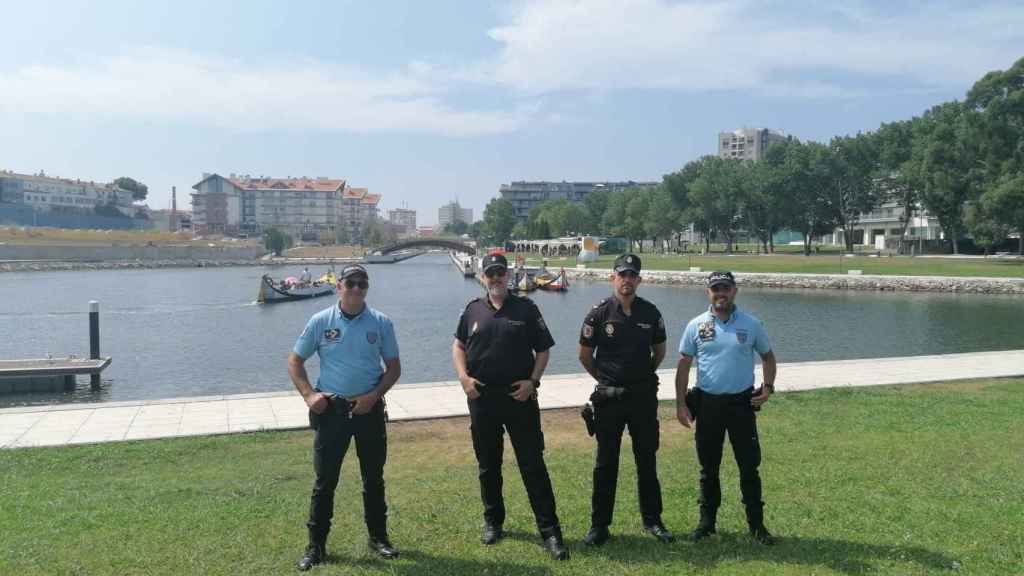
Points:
x=417, y=563
x=837, y=555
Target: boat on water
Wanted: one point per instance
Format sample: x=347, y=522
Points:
x=522, y=281
x=552, y=282
x=291, y=288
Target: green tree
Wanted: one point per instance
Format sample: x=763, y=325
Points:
x=945, y=162
x=596, y=202
x=499, y=219
x=986, y=229
x=802, y=180
x=276, y=241
x=662, y=215
x=457, y=228
x=998, y=129
x=894, y=145
x=850, y=189
x=138, y=189
x=717, y=194
x=637, y=209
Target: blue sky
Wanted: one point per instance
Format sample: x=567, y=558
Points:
x=428, y=101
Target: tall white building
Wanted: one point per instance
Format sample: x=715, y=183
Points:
x=747, y=143
x=405, y=219
x=452, y=212
x=302, y=207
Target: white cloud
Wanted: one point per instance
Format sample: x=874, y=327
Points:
x=783, y=49
x=152, y=84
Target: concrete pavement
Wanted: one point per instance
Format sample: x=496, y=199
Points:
x=117, y=421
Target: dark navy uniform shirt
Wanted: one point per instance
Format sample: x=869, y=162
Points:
x=500, y=344
x=623, y=342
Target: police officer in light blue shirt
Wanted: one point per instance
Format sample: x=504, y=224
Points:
x=358, y=364
x=723, y=341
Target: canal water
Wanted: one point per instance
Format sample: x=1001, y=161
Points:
x=197, y=331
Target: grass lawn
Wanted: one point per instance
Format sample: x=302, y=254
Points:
x=825, y=264
x=902, y=480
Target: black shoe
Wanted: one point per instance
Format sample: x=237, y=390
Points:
x=701, y=532
x=383, y=548
x=314, y=554
x=761, y=535
x=556, y=548
x=660, y=532
x=491, y=534
x=596, y=536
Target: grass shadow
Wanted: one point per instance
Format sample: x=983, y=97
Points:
x=417, y=563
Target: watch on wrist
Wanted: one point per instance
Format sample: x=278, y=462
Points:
x=769, y=387
x=536, y=383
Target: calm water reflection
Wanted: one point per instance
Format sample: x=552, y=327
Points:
x=192, y=332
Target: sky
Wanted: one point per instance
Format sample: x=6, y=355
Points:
x=426, y=102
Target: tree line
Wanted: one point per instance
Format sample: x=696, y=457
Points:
x=961, y=161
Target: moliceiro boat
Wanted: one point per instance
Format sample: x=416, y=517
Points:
x=551, y=282
x=291, y=288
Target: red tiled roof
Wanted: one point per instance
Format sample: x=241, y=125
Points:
x=318, y=185
x=371, y=199
x=355, y=192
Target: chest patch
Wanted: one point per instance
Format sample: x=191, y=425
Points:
x=332, y=334
x=706, y=331
x=588, y=331
x=741, y=336
x=643, y=325
x=371, y=337
x=609, y=329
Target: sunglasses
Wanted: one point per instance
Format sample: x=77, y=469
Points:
x=720, y=288
x=496, y=272
x=629, y=274
x=362, y=284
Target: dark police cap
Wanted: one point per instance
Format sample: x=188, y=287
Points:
x=352, y=270
x=716, y=278
x=629, y=262
x=494, y=261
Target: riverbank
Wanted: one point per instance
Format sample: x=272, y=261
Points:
x=80, y=266
x=954, y=284
x=236, y=504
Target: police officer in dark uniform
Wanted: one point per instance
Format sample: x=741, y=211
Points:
x=723, y=341
x=628, y=334
x=500, y=353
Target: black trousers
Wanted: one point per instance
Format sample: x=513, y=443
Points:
x=716, y=415
x=490, y=416
x=638, y=412
x=334, y=432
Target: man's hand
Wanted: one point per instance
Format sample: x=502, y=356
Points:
x=522, y=390
x=363, y=403
x=761, y=396
x=683, y=414
x=317, y=402
x=469, y=385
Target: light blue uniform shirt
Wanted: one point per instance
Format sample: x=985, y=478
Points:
x=350, y=351
x=724, y=351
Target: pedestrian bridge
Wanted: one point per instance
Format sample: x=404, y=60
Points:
x=456, y=245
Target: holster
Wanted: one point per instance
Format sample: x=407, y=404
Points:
x=588, y=418
x=693, y=399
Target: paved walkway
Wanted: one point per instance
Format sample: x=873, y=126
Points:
x=116, y=421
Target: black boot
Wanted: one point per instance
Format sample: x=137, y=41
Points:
x=706, y=525
x=596, y=536
x=755, y=521
x=315, y=554
x=555, y=546
x=382, y=546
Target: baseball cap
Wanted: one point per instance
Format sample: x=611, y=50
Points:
x=352, y=270
x=629, y=262
x=721, y=277
x=493, y=261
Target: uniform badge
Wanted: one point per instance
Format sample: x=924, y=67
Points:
x=706, y=331
x=643, y=325
x=332, y=334
x=371, y=337
x=609, y=329
x=588, y=331
x=629, y=259
x=475, y=326
x=741, y=336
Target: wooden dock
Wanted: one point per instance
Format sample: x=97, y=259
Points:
x=46, y=374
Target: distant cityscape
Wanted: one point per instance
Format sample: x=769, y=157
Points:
x=329, y=210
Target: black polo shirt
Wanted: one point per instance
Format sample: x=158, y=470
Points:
x=624, y=343
x=500, y=343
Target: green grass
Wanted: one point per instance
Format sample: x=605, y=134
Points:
x=826, y=264
x=904, y=480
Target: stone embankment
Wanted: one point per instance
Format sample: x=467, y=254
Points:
x=967, y=285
